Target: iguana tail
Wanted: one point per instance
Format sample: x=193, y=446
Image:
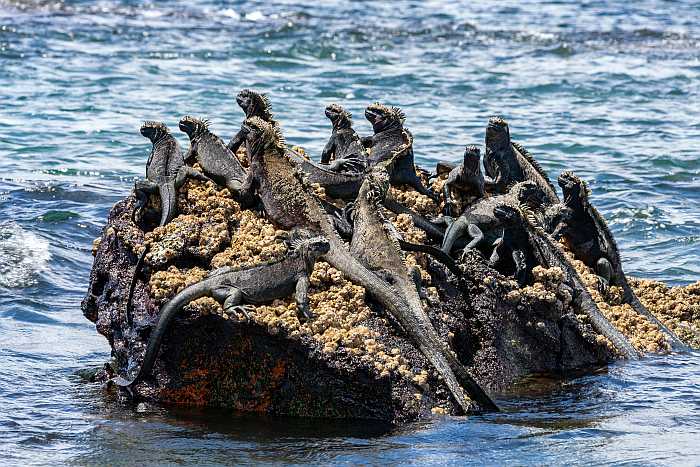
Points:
x=420, y=331
x=132, y=285
x=168, y=201
x=434, y=232
x=435, y=253
x=167, y=313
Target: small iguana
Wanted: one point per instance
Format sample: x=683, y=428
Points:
x=507, y=163
x=344, y=145
x=234, y=287
x=591, y=241
x=289, y=203
x=513, y=244
x=375, y=243
x=391, y=139
x=217, y=162
x=549, y=255
x=165, y=172
x=254, y=104
x=466, y=178
x=480, y=216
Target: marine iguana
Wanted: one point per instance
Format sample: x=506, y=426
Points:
x=254, y=104
x=466, y=177
x=375, y=243
x=344, y=144
x=507, y=162
x=480, y=216
x=548, y=254
x=217, y=162
x=391, y=138
x=289, y=203
x=343, y=185
x=591, y=241
x=235, y=286
x=165, y=172
x=514, y=243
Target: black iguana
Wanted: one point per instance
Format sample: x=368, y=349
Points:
x=466, y=178
x=254, y=104
x=234, y=287
x=344, y=145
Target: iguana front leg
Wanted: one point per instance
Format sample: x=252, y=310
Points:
x=236, y=142
x=142, y=189
x=302, y=296
x=519, y=259
x=604, y=271
x=328, y=150
x=456, y=231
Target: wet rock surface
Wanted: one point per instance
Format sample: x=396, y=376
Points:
x=351, y=360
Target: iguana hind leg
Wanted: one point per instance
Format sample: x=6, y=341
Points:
x=302, y=297
x=142, y=189
x=232, y=298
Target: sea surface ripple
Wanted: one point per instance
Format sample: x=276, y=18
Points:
x=607, y=89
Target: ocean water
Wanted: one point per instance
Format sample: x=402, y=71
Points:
x=610, y=90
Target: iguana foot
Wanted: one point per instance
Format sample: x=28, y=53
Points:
x=241, y=309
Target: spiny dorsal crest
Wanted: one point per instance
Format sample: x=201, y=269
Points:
x=271, y=134
x=530, y=218
x=262, y=103
x=533, y=162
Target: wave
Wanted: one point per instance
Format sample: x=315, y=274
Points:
x=23, y=255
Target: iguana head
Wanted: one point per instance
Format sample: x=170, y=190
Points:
x=339, y=117
x=308, y=245
x=193, y=126
x=472, y=159
x=572, y=187
x=497, y=133
x=530, y=194
x=261, y=135
x=154, y=130
x=383, y=118
x=507, y=215
x=254, y=104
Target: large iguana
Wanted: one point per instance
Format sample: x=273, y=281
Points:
x=480, y=216
x=375, y=243
x=549, y=255
x=216, y=160
x=254, y=104
x=391, y=138
x=165, y=172
x=289, y=203
x=507, y=163
x=591, y=241
x=465, y=178
x=344, y=145
x=234, y=287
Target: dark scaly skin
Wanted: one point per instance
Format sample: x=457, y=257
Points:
x=253, y=104
x=548, y=254
x=343, y=185
x=289, y=203
x=165, y=173
x=507, y=163
x=390, y=135
x=466, y=178
x=375, y=243
x=514, y=243
x=233, y=287
x=344, y=145
x=216, y=160
x=480, y=216
x=591, y=241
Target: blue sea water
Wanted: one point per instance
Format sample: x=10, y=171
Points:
x=610, y=90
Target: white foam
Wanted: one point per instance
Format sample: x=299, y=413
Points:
x=22, y=255
x=256, y=15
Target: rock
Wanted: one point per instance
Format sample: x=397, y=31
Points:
x=351, y=361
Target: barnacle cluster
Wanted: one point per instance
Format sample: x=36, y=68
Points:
x=644, y=335
x=409, y=197
x=548, y=287
x=676, y=307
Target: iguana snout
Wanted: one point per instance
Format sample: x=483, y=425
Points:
x=192, y=125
